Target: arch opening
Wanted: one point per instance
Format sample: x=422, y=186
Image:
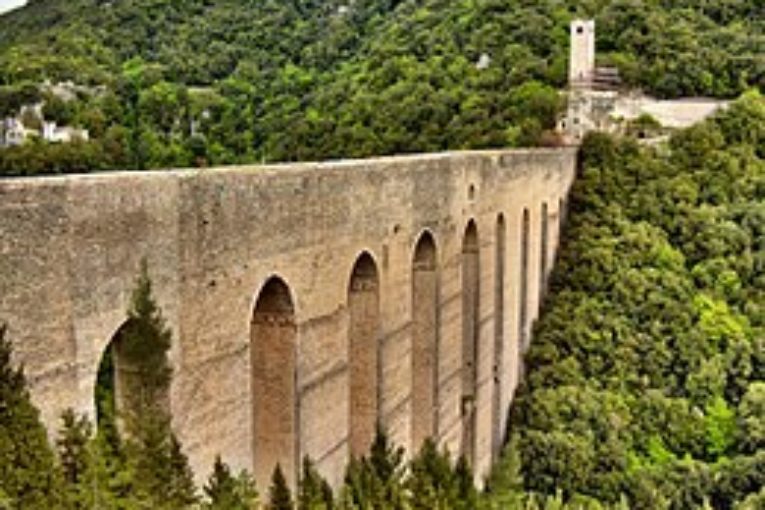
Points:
x=273, y=345
x=364, y=356
x=111, y=390
x=424, y=341
x=470, y=336
x=544, y=256
x=523, y=314
x=499, y=332
x=127, y=383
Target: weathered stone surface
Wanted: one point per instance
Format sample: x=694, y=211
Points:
x=70, y=249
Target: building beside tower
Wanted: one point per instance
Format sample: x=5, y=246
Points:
x=597, y=100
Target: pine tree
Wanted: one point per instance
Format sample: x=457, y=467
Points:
x=431, y=481
x=315, y=493
x=227, y=492
x=108, y=481
x=74, y=455
x=72, y=443
x=505, y=485
x=279, y=495
x=466, y=492
x=143, y=346
x=378, y=481
x=160, y=470
x=386, y=460
x=28, y=474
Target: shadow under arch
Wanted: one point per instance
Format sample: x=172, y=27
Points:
x=544, y=250
x=500, y=243
x=425, y=326
x=129, y=381
x=275, y=407
x=364, y=353
x=110, y=387
x=470, y=336
x=523, y=301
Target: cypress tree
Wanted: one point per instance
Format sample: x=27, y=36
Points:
x=315, y=493
x=467, y=496
x=227, y=492
x=379, y=480
x=431, y=480
x=142, y=348
x=72, y=443
x=280, y=497
x=74, y=453
x=28, y=473
x=161, y=473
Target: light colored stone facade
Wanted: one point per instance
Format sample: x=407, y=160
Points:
x=581, y=69
x=70, y=249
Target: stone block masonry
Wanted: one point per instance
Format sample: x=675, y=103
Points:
x=308, y=302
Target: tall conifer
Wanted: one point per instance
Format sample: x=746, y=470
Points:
x=280, y=496
x=28, y=474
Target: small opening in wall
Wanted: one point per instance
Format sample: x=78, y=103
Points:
x=580, y=30
x=471, y=192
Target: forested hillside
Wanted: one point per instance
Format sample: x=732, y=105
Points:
x=646, y=376
x=199, y=82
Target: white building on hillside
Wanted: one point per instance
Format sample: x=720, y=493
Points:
x=13, y=132
x=55, y=134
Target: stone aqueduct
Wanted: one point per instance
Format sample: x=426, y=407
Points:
x=308, y=302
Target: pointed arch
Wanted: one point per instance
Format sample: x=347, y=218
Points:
x=544, y=248
x=523, y=314
x=499, y=330
x=364, y=357
x=470, y=336
x=424, y=340
x=122, y=388
x=113, y=382
x=273, y=347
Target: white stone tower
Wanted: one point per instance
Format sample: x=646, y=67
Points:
x=581, y=68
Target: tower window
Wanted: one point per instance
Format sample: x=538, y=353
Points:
x=580, y=30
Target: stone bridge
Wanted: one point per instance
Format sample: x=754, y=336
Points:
x=308, y=302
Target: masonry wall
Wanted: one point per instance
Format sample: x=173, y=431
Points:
x=70, y=249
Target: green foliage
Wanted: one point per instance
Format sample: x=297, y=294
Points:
x=432, y=481
x=142, y=345
x=161, y=471
x=316, y=80
x=751, y=413
x=720, y=427
x=377, y=481
x=28, y=475
x=224, y=491
x=314, y=492
x=72, y=445
x=644, y=378
x=279, y=495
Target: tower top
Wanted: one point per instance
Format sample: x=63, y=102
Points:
x=582, y=56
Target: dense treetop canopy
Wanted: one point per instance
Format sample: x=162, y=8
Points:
x=646, y=376
x=195, y=82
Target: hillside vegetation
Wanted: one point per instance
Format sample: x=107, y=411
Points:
x=198, y=82
x=646, y=376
